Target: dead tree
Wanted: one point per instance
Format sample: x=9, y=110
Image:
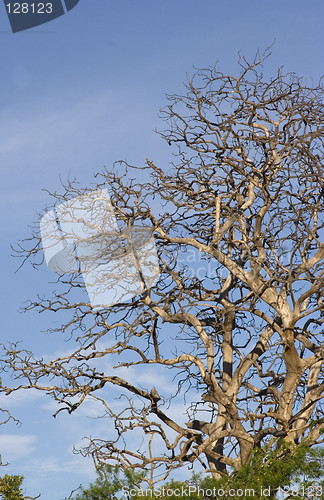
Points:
x=237, y=313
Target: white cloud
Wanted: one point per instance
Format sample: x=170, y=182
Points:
x=89, y=408
x=20, y=399
x=53, y=125
x=67, y=131
x=53, y=464
x=15, y=447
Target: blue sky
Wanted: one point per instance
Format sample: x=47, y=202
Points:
x=79, y=93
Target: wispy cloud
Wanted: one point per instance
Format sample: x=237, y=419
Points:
x=53, y=464
x=54, y=124
x=69, y=126
x=21, y=399
x=15, y=447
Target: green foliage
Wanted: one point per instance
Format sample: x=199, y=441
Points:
x=109, y=482
x=311, y=470
x=292, y=468
x=284, y=466
x=315, y=422
x=10, y=487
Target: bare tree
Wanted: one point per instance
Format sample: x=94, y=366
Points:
x=237, y=313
